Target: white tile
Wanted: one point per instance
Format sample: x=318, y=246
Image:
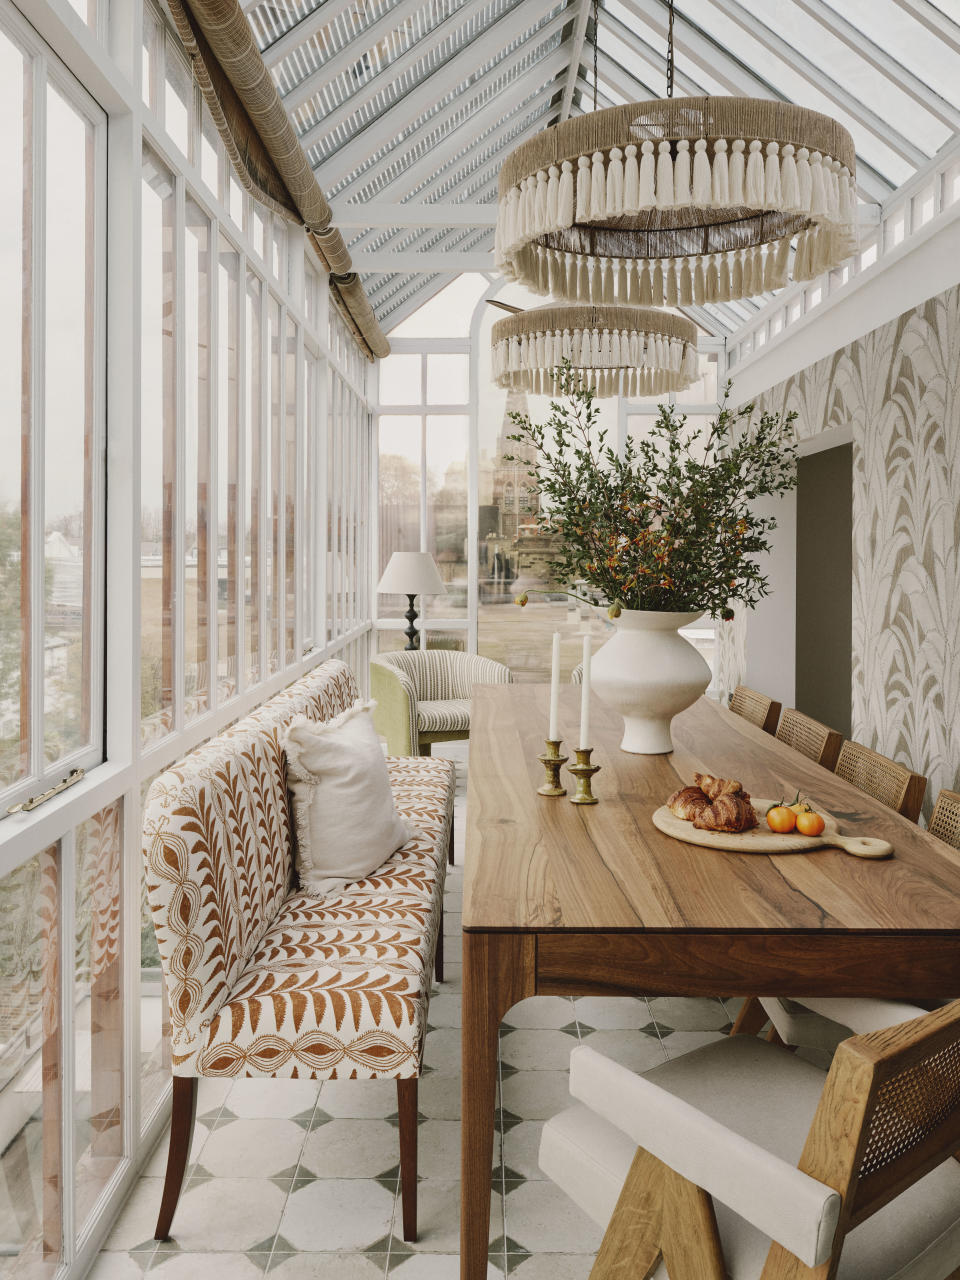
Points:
x=633, y=1049
x=438, y=1217
x=537, y=1095
x=542, y=1219
x=227, y=1214
x=441, y=1051
x=337, y=1214
x=541, y=1011
x=451, y=923
x=437, y=1266
x=445, y=1011
x=612, y=1013
x=362, y=1099
x=439, y=1097
x=351, y=1148
x=253, y=1099
x=438, y=1149
x=252, y=1148
x=686, y=1013
x=326, y=1266
x=521, y=1145
x=554, y=1266
x=537, y=1050
x=211, y=1094
x=453, y=946
x=211, y=1266
x=116, y=1266
x=138, y=1218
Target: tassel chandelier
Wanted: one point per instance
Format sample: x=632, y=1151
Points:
x=614, y=350
x=676, y=201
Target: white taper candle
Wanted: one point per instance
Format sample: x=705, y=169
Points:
x=585, y=696
x=554, y=733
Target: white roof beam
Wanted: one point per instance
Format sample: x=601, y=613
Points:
x=324, y=15
x=882, y=129
x=621, y=80
x=477, y=122
x=378, y=132
x=384, y=262
x=935, y=20
x=736, y=77
x=576, y=53
x=367, y=92
x=414, y=214
x=882, y=61
x=647, y=54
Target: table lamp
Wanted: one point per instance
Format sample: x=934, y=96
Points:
x=411, y=574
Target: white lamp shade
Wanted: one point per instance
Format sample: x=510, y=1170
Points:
x=411, y=573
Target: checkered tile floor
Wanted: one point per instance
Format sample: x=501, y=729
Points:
x=300, y=1180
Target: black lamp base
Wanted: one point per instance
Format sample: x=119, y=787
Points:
x=412, y=634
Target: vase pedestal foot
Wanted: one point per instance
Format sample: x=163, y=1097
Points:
x=646, y=736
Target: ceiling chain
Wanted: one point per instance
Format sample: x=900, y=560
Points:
x=596, y=45
x=669, y=49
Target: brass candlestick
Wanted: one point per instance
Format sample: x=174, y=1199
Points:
x=552, y=760
x=583, y=770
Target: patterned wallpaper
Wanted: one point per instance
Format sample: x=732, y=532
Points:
x=899, y=389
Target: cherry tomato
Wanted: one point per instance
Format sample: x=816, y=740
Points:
x=810, y=823
x=781, y=819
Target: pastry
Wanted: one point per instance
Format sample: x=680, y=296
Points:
x=713, y=787
x=733, y=813
x=687, y=803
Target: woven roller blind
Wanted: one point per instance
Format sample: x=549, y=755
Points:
x=263, y=146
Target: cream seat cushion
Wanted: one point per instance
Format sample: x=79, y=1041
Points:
x=769, y=1097
x=344, y=815
x=449, y=715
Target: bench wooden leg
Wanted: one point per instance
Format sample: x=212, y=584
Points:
x=450, y=846
x=751, y=1019
x=181, y=1135
x=438, y=953
x=407, y=1107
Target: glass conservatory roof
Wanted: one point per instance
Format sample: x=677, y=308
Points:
x=407, y=108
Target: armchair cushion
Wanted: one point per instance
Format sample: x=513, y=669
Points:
x=819, y=1022
x=447, y=716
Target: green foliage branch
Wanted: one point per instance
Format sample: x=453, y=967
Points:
x=670, y=524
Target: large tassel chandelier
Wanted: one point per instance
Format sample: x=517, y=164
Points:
x=677, y=201
x=628, y=351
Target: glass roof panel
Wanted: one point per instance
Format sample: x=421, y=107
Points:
x=909, y=41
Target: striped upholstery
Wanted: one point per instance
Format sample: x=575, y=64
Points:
x=423, y=695
x=449, y=715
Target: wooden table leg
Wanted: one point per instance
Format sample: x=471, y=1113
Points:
x=498, y=970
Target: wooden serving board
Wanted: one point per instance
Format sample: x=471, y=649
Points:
x=762, y=840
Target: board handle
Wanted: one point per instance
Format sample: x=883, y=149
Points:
x=861, y=846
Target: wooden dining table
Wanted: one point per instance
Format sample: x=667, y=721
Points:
x=565, y=899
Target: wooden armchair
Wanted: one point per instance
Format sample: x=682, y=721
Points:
x=741, y=1161
x=756, y=707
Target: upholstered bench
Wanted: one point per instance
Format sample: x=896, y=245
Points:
x=263, y=980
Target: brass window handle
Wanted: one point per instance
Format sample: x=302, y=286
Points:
x=25, y=806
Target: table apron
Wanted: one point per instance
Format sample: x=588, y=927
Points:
x=895, y=966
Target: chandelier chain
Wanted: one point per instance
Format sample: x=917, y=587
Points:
x=669, y=50
x=596, y=44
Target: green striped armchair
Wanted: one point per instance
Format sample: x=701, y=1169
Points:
x=423, y=696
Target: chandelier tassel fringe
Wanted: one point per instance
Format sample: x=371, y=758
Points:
x=647, y=166
x=664, y=176
x=702, y=180
x=721, y=173
x=631, y=179
x=681, y=174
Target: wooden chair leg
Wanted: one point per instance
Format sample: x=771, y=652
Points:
x=630, y=1249
x=750, y=1019
x=181, y=1135
x=407, y=1107
x=450, y=847
x=691, y=1241
x=438, y=953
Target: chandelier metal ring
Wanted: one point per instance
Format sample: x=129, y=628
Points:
x=615, y=350
x=677, y=201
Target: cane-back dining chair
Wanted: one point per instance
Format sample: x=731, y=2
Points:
x=888, y=781
x=811, y=738
x=756, y=707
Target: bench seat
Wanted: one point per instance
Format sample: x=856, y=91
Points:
x=340, y=987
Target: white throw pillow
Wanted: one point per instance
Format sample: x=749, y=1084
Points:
x=344, y=816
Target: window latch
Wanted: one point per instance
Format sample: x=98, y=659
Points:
x=25, y=806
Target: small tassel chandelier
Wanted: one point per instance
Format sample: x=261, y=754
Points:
x=677, y=201
x=628, y=351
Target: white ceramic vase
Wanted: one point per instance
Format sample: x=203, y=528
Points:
x=649, y=673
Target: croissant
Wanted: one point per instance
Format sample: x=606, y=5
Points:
x=713, y=787
x=732, y=813
x=687, y=803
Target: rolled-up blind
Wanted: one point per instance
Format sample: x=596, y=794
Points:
x=263, y=146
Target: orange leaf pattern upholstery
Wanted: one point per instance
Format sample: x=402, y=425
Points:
x=265, y=981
